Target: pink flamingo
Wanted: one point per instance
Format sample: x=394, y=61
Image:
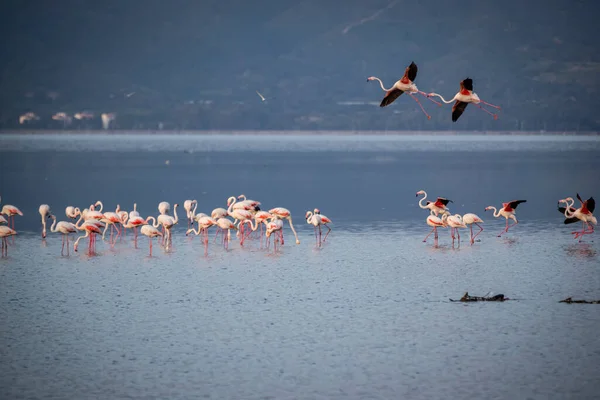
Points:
x=275, y=225
x=226, y=225
x=583, y=214
x=470, y=219
x=167, y=223
x=10, y=211
x=465, y=96
x=189, y=211
x=5, y=232
x=325, y=221
x=507, y=211
x=454, y=222
x=435, y=222
x=91, y=228
x=110, y=219
x=405, y=84
x=65, y=228
x=72, y=212
x=284, y=213
x=437, y=207
x=316, y=221
x=45, y=213
x=151, y=232
x=134, y=224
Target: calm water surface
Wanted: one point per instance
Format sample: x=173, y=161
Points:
x=367, y=316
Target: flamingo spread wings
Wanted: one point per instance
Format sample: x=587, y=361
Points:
x=512, y=205
x=410, y=74
x=588, y=206
x=459, y=106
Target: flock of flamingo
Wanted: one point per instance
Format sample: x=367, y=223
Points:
x=406, y=84
x=93, y=220
x=440, y=207
x=248, y=218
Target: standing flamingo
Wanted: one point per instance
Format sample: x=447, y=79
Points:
x=225, y=224
x=507, y=211
x=465, y=96
x=325, y=221
x=275, y=225
x=5, y=232
x=134, y=223
x=454, y=222
x=10, y=211
x=437, y=207
x=284, y=213
x=435, y=222
x=45, y=213
x=470, y=219
x=189, y=211
x=65, y=228
x=91, y=228
x=72, y=212
x=151, y=232
x=405, y=84
x=316, y=222
x=167, y=223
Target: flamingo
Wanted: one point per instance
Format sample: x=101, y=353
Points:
x=435, y=222
x=254, y=205
x=90, y=228
x=454, y=222
x=470, y=219
x=405, y=84
x=5, y=232
x=10, y=211
x=465, y=96
x=110, y=218
x=134, y=223
x=583, y=214
x=164, y=207
x=45, y=213
x=65, y=228
x=325, y=221
x=507, y=211
x=205, y=222
x=437, y=207
x=225, y=224
x=72, y=212
x=275, y=225
x=315, y=221
x=167, y=223
x=284, y=213
x=189, y=211
x=151, y=232
x=262, y=218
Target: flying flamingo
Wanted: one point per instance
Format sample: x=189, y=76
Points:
x=45, y=213
x=10, y=211
x=151, y=232
x=465, y=96
x=437, y=207
x=65, y=228
x=405, y=84
x=284, y=213
x=5, y=232
x=470, y=219
x=583, y=213
x=435, y=222
x=507, y=211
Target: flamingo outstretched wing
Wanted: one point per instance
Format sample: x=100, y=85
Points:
x=467, y=84
x=458, y=109
x=411, y=72
x=390, y=96
x=512, y=205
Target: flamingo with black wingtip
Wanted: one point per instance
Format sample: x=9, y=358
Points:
x=465, y=96
x=507, y=211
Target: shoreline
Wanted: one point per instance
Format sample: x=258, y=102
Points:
x=293, y=132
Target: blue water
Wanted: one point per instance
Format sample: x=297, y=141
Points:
x=366, y=316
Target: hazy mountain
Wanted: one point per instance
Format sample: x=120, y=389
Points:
x=198, y=64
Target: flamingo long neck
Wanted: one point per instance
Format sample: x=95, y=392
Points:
x=52, y=227
x=193, y=212
x=567, y=208
x=293, y=230
x=496, y=212
x=154, y=224
x=381, y=84
x=197, y=232
x=230, y=208
x=309, y=217
x=87, y=233
x=175, y=213
x=422, y=200
x=441, y=98
x=101, y=206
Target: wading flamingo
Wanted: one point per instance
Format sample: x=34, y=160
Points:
x=151, y=232
x=225, y=224
x=454, y=222
x=91, y=228
x=167, y=223
x=65, y=228
x=435, y=222
x=45, y=214
x=470, y=219
x=583, y=214
x=405, y=84
x=325, y=221
x=437, y=207
x=190, y=210
x=507, y=211
x=10, y=211
x=72, y=212
x=5, y=232
x=284, y=213
x=465, y=96
x=275, y=225
x=316, y=222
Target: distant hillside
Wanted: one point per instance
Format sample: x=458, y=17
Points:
x=197, y=65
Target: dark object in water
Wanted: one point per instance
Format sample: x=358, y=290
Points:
x=569, y=300
x=466, y=298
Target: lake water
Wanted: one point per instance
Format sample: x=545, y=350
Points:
x=366, y=316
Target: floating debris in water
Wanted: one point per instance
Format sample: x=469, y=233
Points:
x=467, y=298
x=569, y=300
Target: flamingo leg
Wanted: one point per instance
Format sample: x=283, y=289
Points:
x=487, y=111
x=327, y=234
x=320, y=235
x=489, y=104
x=419, y=103
x=67, y=244
x=480, y=230
x=429, y=98
x=150, y=241
x=434, y=228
